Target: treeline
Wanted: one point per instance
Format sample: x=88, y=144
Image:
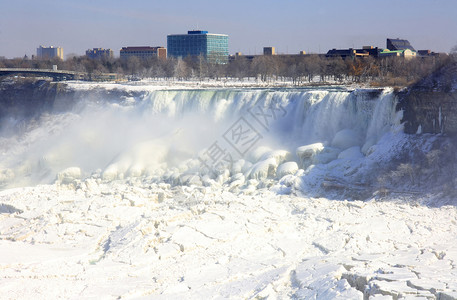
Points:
x=298, y=69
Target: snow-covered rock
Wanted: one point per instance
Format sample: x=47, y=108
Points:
x=263, y=169
x=286, y=168
x=307, y=154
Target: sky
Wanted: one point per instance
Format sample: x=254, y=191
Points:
x=289, y=25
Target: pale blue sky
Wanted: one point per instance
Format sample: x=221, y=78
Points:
x=289, y=25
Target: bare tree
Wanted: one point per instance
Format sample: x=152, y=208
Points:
x=238, y=68
x=181, y=70
x=453, y=53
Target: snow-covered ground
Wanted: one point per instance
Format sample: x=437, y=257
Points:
x=135, y=239
x=115, y=199
x=223, y=83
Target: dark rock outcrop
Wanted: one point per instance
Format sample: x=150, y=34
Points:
x=430, y=106
x=27, y=97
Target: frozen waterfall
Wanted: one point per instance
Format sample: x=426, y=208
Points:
x=166, y=134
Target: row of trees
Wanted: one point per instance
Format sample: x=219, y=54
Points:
x=298, y=69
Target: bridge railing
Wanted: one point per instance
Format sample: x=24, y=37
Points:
x=27, y=70
x=56, y=74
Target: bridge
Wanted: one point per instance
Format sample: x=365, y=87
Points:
x=56, y=75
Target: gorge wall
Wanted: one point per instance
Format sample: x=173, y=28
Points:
x=430, y=106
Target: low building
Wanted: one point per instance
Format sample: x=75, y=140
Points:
x=430, y=53
x=49, y=52
x=343, y=53
x=406, y=53
x=99, y=53
x=424, y=53
x=144, y=52
x=267, y=51
x=354, y=53
x=372, y=51
x=398, y=44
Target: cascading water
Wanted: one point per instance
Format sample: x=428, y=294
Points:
x=153, y=132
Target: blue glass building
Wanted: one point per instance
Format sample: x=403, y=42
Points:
x=213, y=47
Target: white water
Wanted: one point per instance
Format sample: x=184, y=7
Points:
x=126, y=210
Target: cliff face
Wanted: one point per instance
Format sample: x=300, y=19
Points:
x=27, y=97
x=430, y=106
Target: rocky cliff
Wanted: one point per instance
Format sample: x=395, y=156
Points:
x=27, y=97
x=430, y=106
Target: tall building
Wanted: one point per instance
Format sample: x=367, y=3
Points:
x=143, y=52
x=213, y=47
x=99, y=53
x=49, y=52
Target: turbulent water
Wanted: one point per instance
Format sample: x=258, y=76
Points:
x=139, y=193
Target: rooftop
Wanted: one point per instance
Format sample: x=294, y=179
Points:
x=140, y=48
x=399, y=44
x=197, y=32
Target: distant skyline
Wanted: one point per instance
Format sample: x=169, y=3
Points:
x=288, y=25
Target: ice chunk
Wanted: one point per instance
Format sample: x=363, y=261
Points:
x=190, y=179
x=287, y=168
x=279, y=155
x=237, y=180
x=309, y=150
x=69, y=174
x=263, y=169
x=307, y=153
x=346, y=138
